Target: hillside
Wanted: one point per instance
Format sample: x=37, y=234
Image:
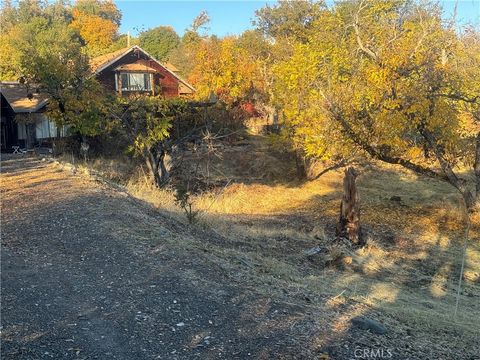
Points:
x=260, y=230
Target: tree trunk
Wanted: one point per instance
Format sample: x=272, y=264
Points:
x=300, y=166
x=164, y=175
x=349, y=222
x=155, y=159
x=476, y=168
x=469, y=199
x=303, y=165
x=152, y=165
x=84, y=147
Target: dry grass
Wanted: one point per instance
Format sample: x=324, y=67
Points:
x=412, y=259
x=406, y=275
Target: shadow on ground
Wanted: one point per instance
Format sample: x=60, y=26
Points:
x=89, y=272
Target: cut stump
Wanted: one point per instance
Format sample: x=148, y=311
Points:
x=349, y=222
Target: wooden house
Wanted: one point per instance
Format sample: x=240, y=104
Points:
x=23, y=119
x=132, y=70
x=126, y=71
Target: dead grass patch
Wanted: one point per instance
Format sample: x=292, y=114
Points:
x=406, y=274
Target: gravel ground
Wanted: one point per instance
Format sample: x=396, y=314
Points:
x=89, y=273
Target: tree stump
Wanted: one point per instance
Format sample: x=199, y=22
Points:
x=349, y=222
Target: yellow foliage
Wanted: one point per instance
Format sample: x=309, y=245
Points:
x=379, y=82
x=224, y=68
x=97, y=32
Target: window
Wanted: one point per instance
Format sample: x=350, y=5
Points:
x=135, y=82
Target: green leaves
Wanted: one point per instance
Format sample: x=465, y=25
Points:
x=147, y=120
x=288, y=19
x=159, y=42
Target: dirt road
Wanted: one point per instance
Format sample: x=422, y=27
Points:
x=89, y=273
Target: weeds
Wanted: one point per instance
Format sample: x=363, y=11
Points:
x=183, y=199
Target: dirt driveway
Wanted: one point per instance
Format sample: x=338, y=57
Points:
x=89, y=273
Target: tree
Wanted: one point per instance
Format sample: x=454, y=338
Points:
x=306, y=128
x=255, y=44
x=105, y=9
x=395, y=83
x=97, y=21
x=287, y=25
x=147, y=122
x=288, y=18
x=225, y=68
x=46, y=55
x=121, y=42
x=51, y=61
x=183, y=56
x=201, y=21
x=159, y=42
x=17, y=16
x=8, y=59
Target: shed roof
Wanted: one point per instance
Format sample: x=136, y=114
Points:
x=22, y=99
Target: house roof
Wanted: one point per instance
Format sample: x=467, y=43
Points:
x=102, y=62
x=171, y=67
x=99, y=61
x=20, y=99
x=135, y=67
x=184, y=90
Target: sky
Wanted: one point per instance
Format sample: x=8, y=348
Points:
x=229, y=17
x=226, y=17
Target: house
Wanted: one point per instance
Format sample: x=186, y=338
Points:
x=132, y=70
x=126, y=71
x=23, y=119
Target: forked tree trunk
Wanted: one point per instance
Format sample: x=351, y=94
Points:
x=152, y=166
x=349, y=222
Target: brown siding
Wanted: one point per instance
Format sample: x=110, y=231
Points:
x=163, y=79
x=107, y=79
x=168, y=84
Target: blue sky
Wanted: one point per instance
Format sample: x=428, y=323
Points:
x=229, y=17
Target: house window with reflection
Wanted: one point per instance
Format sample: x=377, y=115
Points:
x=135, y=81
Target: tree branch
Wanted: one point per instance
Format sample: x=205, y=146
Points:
x=356, y=28
x=470, y=100
x=335, y=166
x=383, y=156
